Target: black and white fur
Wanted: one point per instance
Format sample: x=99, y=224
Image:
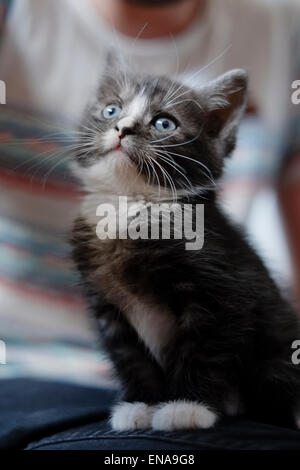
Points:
x=193, y=335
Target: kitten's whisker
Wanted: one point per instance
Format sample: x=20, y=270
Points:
x=117, y=46
x=173, y=83
x=194, y=75
x=209, y=173
x=185, y=100
x=177, y=85
x=163, y=175
x=91, y=130
x=61, y=154
x=162, y=139
x=154, y=171
x=179, y=144
x=45, y=139
x=140, y=165
x=48, y=125
x=188, y=185
x=172, y=184
x=33, y=174
x=41, y=158
x=163, y=158
x=41, y=162
x=171, y=159
x=48, y=173
x=148, y=172
x=137, y=37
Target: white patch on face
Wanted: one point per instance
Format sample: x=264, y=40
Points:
x=155, y=325
x=133, y=112
x=137, y=107
x=109, y=140
x=131, y=416
x=181, y=414
x=125, y=122
x=115, y=174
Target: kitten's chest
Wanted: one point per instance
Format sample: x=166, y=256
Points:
x=154, y=324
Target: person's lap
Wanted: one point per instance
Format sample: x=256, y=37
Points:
x=47, y=415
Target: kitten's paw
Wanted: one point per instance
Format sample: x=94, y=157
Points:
x=182, y=415
x=297, y=419
x=130, y=416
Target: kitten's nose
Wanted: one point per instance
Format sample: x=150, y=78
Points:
x=124, y=131
x=125, y=127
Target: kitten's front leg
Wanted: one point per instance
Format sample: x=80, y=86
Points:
x=192, y=403
x=141, y=377
x=198, y=382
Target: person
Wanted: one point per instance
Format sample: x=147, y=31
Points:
x=52, y=54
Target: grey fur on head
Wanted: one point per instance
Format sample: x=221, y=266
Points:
x=189, y=156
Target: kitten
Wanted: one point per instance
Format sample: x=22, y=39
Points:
x=194, y=335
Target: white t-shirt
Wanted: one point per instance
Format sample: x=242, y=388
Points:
x=54, y=51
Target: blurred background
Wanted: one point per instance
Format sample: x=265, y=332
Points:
x=52, y=53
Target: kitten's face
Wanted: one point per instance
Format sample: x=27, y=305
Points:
x=154, y=133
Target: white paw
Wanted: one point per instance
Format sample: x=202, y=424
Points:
x=297, y=415
x=182, y=415
x=129, y=416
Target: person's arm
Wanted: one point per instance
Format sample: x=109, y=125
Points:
x=4, y=7
x=289, y=197
x=289, y=178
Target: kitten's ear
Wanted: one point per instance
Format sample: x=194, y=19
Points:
x=114, y=63
x=112, y=74
x=111, y=60
x=224, y=102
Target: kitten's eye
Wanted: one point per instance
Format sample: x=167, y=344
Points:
x=164, y=124
x=111, y=111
